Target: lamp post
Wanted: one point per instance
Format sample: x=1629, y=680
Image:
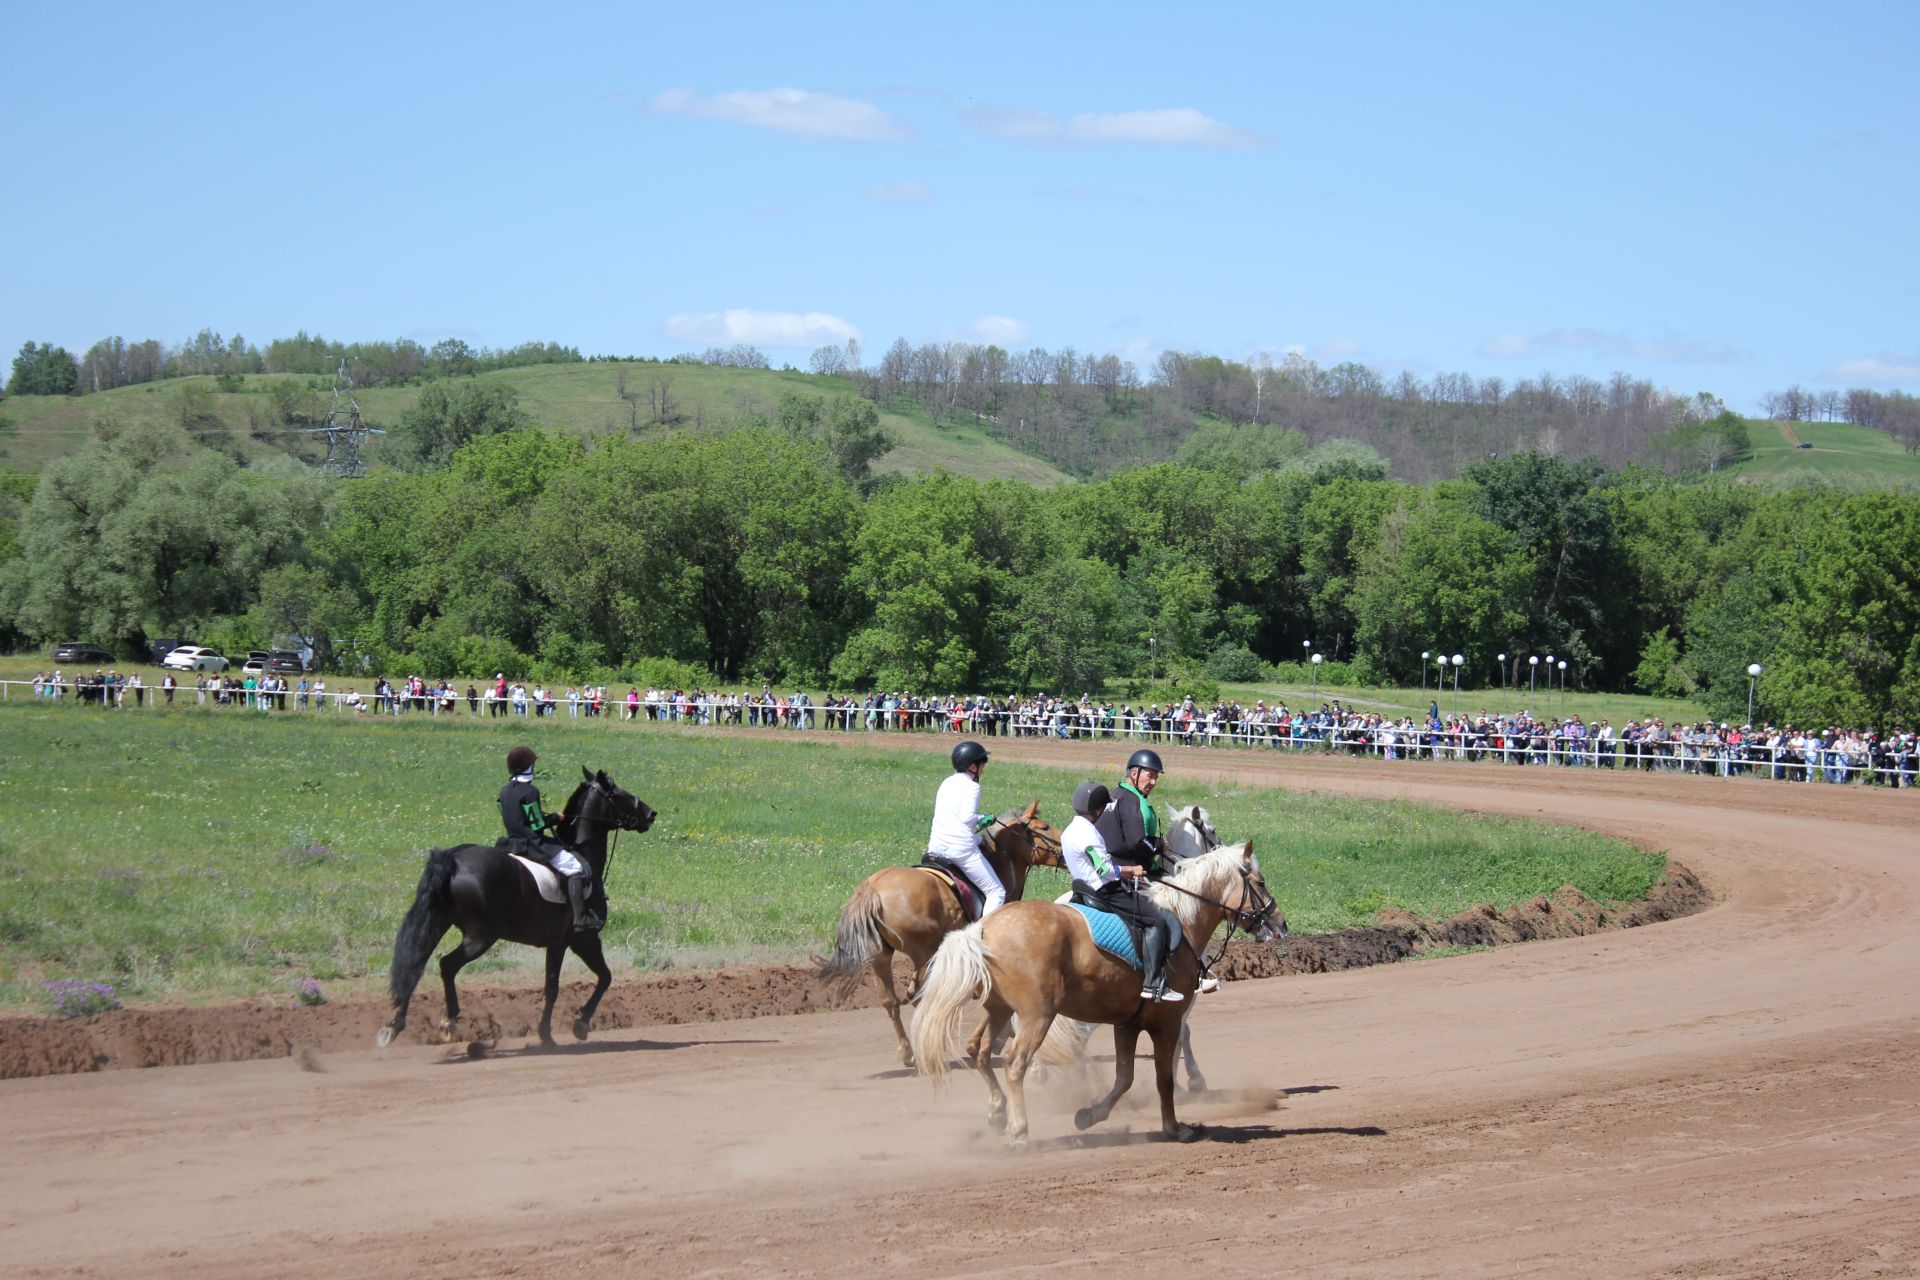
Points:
x=1153, y=661
x=1316, y=673
x=1753, y=678
x=1424, y=655
x=1533, y=674
x=1563, y=684
x=1457, y=661
x=1503, y=676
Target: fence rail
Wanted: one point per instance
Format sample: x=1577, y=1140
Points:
x=1896, y=764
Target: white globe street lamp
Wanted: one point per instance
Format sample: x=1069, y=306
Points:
x=1316, y=673
x=1424, y=655
x=1753, y=678
x=1457, y=660
x=1563, y=684
x=1533, y=674
x=1503, y=677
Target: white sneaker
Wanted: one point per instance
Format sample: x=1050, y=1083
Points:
x=1169, y=996
x=1208, y=985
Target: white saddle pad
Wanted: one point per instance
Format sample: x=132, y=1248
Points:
x=543, y=878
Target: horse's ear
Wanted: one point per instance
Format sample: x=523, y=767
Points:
x=1247, y=853
x=1032, y=811
x=586, y=773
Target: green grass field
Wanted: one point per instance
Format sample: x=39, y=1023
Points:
x=1842, y=454
x=580, y=398
x=204, y=853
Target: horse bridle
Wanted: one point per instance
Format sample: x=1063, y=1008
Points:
x=1026, y=824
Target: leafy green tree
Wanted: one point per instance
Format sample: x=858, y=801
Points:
x=42, y=369
x=1340, y=523
x=448, y=416
x=1438, y=573
x=1241, y=449
x=1660, y=672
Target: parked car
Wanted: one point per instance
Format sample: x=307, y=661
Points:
x=256, y=663
x=285, y=662
x=81, y=651
x=157, y=650
x=193, y=657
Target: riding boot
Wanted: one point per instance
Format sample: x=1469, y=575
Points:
x=584, y=920
x=1154, y=960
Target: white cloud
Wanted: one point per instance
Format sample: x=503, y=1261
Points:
x=758, y=328
x=1175, y=127
x=1597, y=342
x=1882, y=370
x=801, y=113
x=1170, y=127
x=906, y=192
x=1002, y=331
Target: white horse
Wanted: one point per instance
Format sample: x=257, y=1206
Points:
x=1190, y=833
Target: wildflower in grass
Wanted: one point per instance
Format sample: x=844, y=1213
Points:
x=307, y=992
x=72, y=998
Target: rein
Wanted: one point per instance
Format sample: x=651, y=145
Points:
x=1237, y=917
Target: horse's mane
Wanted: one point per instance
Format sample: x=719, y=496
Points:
x=1210, y=875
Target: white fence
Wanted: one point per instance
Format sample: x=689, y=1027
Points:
x=1895, y=763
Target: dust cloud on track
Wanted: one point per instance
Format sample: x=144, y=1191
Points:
x=1732, y=1093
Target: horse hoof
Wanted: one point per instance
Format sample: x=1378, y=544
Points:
x=383, y=1038
x=478, y=1049
x=998, y=1119
x=1196, y=1084
x=1189, y=1132
x=1083, y=1118
x=581, y=1027
x=1017, y=1145
x=446, y=1031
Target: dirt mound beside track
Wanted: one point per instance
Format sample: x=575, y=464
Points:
x=243, y=1031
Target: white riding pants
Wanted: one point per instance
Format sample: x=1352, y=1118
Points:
x=980, y=871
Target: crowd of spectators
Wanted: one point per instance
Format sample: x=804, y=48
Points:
x=1834, y=754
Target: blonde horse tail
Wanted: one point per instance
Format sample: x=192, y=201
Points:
x=956, y=979
x=1066, y=1042
x=856, y=942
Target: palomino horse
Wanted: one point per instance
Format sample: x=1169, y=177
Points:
x=909, y=910
x=1037, y=961
x=491, y=897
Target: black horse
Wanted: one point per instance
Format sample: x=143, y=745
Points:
x=480, y=888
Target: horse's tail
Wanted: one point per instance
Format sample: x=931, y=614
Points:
x=1066, y=1042
x=856, y=942
x=956, y=978
x=427, y=919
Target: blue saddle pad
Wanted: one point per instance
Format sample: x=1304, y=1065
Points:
x=1110, y=933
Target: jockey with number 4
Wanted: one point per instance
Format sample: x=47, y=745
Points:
x=531, y=827
x=957, y=823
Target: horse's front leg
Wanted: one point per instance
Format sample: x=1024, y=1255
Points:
x=1196, y=1083
x=1126, y=1039
x=1165, y=1044
x=550, y=991
x=587, y=947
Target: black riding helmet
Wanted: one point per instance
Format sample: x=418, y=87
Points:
x=519, y=760
x=1090, y=799
x=968, y=753
x=1146, y=758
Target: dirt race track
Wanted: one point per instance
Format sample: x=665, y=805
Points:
x=1731, y=1094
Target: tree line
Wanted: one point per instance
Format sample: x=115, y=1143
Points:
x=773, y=553
x=43, y=369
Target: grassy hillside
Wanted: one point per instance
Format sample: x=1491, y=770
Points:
x=581, y=398
x=1842, y=454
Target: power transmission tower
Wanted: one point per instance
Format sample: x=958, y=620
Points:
x=345, y=428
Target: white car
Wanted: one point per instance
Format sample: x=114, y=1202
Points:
x=193, y=657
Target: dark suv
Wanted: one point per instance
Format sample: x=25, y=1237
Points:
x=81, y=651
x=285, y=662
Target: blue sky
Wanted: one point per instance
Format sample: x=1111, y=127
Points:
x=1715, y=197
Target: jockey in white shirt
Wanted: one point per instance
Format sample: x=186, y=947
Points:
x=957, y=822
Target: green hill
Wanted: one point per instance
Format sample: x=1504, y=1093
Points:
x=1843, y=454
x=582, y=398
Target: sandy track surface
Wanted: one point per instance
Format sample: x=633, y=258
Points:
x=1731, y=1094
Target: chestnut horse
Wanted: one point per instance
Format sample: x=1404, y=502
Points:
x=909, y=910
x=1037, y=961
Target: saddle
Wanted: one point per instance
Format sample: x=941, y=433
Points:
x=970, y=898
